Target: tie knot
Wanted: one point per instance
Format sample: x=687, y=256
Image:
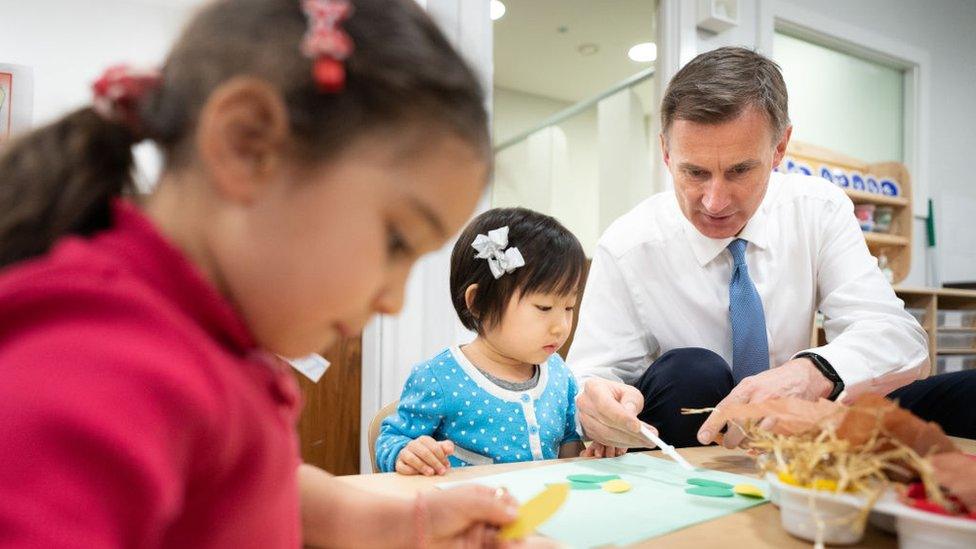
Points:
x=738, y=250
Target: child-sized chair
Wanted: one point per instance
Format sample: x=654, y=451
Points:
x=374, y=430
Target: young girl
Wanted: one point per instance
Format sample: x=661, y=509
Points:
x=507, y=396
x=313, y=150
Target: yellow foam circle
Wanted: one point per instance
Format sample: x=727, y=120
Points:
x=748, y=490
x=616, y=486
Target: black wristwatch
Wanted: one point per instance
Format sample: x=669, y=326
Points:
x=828, y=372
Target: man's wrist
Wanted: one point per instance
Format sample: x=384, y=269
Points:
x=833, y=385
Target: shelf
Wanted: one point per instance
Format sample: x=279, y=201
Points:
x=951, y=329
x=882, y=239
x=956, y=351
x=864, y=197
x=947, y=292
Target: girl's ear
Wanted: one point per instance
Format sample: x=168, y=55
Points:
x=241, y=137
x=469, y=295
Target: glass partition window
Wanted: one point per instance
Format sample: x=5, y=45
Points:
x=842, y=102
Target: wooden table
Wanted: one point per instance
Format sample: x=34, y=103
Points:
x=756, y=528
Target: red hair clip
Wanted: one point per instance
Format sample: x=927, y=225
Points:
x=326, y=43
x=119, y=91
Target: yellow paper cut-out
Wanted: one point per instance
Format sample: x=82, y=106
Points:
x=616, y=486
x=748, y=490
x=536, y=511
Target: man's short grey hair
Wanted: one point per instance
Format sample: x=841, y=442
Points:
x=718, y=85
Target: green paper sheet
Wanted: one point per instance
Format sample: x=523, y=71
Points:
x=657, y=503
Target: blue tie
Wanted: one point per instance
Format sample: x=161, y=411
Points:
x=750, y=350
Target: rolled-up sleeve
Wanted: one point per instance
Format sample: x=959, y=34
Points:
x=875, y=345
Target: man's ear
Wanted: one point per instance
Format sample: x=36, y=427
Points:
x=665, y=154
x=241, y=137
x=780, y=151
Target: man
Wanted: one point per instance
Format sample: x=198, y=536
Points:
x=720, y=280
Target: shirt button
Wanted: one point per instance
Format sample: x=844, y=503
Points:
x=525, y=398
x=533, y=430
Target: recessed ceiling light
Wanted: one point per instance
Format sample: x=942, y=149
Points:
x=588, y=49
x=497, y=10
x=644, y=52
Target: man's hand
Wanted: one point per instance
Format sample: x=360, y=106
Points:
x=796, y=378
x=608, y=412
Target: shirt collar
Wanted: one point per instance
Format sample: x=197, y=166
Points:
x=756, y=230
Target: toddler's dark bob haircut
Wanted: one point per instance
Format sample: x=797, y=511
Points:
x=554, y=263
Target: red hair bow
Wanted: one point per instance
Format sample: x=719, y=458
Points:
x=327, y=43
x=119, y=91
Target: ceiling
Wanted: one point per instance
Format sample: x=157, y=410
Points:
x=536, y=45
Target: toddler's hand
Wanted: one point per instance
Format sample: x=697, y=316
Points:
x=425, y=456
x=595, y=449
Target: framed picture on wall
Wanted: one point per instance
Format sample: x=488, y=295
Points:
x=16, y=99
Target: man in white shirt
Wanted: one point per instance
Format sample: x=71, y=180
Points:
x=705, y=295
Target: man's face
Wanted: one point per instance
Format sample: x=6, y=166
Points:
x=721, y=171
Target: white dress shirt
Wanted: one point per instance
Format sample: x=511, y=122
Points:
x=657, y=284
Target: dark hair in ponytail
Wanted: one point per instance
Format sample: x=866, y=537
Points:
x=61, y=178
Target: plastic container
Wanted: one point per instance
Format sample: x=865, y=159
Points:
x=949, y=318
x=816, y=515
x=945, y=364
x=923, y=530
x=865, y=216
x=883, y=215
x=918, y=313
x=956, y=340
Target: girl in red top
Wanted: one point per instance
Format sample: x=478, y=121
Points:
x=313, y=150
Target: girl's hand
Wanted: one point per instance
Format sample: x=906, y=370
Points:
x=595, y=449
x=466, y=516
x=425, y=456
x=470, y=516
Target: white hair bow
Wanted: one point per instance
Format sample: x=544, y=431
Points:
x=492, y=247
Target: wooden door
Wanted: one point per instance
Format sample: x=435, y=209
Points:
x=329, y=424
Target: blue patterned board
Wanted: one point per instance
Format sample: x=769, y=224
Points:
x=656, y=504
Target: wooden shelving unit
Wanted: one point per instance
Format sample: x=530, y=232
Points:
x=929, y=304
x=863, y=197
x=896, y=244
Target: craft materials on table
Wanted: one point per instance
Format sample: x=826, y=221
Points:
x=639, y=497
x=829, y=464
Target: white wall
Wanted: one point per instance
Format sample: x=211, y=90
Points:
x=944, y=29
x=69, y=43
